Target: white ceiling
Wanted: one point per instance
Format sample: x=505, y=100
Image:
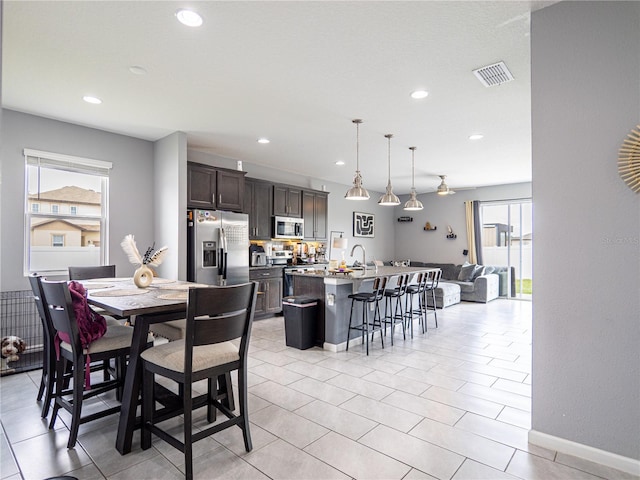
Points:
x=295, y=72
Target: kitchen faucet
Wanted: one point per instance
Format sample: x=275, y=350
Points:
x=364, y=255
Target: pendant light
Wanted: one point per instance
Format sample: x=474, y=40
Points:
x=357, y=192
x=389, y=198
x=413, y=203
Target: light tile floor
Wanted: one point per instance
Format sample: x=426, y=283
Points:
x=450, y=404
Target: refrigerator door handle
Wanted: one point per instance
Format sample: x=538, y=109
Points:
x=223, y=251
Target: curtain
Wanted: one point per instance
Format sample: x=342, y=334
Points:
x=474, y=233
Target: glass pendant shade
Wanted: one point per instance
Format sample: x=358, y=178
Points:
x=389, y=198
x=357, y=192
x=413, y=203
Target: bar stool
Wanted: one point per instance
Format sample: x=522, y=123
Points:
x=395, y=314
x=365, y=299
x=432, y=278
x=416, y=288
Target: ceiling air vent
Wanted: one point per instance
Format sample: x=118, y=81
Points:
x=495, y=74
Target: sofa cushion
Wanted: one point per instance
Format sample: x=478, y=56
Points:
x=466, y=287
x=466, y=272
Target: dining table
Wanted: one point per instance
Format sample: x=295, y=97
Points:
x=162, y=301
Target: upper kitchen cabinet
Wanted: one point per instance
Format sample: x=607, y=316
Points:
x=258, y=205
x=214, y=188
x=314, y=213
x=287, y=201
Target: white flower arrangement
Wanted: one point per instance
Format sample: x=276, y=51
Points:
x=151, y=257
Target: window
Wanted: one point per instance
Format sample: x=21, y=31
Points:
x=63, y=186
x=507, y=239
x=57, y=240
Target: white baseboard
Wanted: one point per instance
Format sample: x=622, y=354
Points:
x=613, y=460
x=341, y=347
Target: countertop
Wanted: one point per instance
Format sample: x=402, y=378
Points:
x=359, y=275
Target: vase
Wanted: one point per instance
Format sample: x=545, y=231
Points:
x=143, y=276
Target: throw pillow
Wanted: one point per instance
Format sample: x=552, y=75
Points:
x=488, y=270
x=466, y=272
x=479, y=270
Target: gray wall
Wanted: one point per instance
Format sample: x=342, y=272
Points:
x=130, y=185
x=586, y=323
x=414, y=243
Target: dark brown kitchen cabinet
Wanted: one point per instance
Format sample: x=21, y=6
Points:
x=214, y=188
x=314, y=213
x=258, y=205
x=269, y=298
x=287, y=201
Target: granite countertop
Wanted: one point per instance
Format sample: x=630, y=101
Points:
x=369, y=273
x=267, y=266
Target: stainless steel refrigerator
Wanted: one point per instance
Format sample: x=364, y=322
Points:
x=217, y=247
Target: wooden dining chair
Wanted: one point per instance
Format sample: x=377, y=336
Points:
x=93, y=271
x=47, y=380
x=218, y=327
x=115, y=344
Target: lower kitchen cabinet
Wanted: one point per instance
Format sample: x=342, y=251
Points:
x=269, y=299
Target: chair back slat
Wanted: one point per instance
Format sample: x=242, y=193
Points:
x=208, y=330
x=219, y=314
x=57, y=299
x=36, y=288
x=379, y=286
x=433, y=277
x=97, y=271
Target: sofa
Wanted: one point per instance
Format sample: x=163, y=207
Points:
x=478, y=283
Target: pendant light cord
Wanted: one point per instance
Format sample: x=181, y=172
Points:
x=413, y=168
x=389, y=159
x=357, y=146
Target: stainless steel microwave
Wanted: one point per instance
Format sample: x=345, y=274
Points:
x=287, y=227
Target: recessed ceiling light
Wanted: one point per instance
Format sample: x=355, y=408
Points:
x=137, y=70
x=476, y=136
x=419, y=94
x=340, y=163
x=189, y=18
x=264, y=140
x=91, y=99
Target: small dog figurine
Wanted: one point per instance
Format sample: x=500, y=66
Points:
x=11, y=347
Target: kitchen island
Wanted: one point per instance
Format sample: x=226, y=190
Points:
x=334, y=305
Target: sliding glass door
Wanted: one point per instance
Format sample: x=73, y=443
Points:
x=507, y=240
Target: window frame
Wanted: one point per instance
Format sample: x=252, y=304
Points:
x=56, y=161
x=53, y=239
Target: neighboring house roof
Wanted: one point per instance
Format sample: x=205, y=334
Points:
x=70, y=194
x=76, y=225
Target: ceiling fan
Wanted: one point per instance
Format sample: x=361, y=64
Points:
x=443, y=188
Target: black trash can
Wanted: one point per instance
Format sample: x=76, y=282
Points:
x=300, y=321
